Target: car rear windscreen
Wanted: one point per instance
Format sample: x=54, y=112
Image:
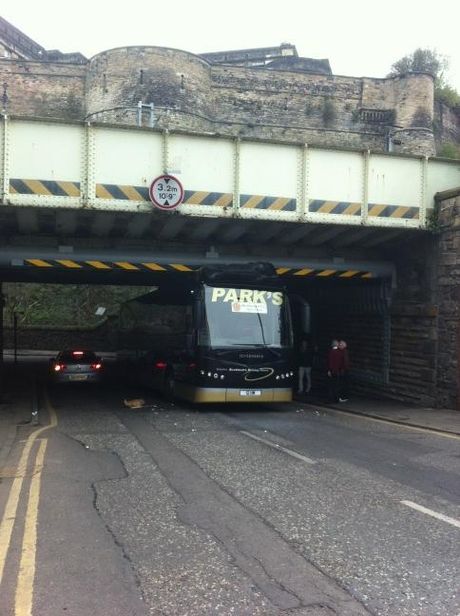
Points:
x=77, y=357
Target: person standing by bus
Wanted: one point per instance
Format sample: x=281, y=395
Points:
x=305, y=358
x=335, y=369
x=344, y=388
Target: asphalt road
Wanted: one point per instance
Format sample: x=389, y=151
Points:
x=170, y=510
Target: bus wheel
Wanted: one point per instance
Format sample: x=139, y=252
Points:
x=169, y=385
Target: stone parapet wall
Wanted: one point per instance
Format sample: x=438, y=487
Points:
x=44, y=89
x=189, y=93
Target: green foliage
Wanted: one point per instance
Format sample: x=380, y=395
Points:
x=449, y=150
x=56, y=305
x=434, y=63
x=447, y=95
x=432, y=221
x=424, y=61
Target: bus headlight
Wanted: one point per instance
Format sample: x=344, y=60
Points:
x=277, y=377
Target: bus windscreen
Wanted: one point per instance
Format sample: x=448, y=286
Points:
x=237, y=317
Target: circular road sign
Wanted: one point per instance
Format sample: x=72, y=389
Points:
x=166, y=192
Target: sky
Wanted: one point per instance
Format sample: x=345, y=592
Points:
x=360, y=38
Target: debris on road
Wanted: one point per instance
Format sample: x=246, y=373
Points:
x=136, y=403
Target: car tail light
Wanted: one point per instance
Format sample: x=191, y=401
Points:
x=59, y=367
x=97, y=366
x=161, y=365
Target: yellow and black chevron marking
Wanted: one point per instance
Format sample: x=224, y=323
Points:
x=393, y=211
x=260, y=202
x=335, y=207
x=45, y=188
x=307, y=272
x=208, y=198
x=141, y=193
x=109, y=265
x=122, y=192
x=129, y=266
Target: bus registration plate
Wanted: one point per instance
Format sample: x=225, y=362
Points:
x=250, y=392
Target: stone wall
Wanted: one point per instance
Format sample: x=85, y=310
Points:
x=44, y=89
x=102, y=338
x=447, y=125
x=448, y=368
x=191, y=94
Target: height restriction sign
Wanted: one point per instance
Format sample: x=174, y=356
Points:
x=166, y=192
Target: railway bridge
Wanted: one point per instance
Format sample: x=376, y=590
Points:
x=351, y=232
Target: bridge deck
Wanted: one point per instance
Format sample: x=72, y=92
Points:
x=88, y=167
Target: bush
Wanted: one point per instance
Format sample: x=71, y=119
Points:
x=449, y=150
x=447, y=95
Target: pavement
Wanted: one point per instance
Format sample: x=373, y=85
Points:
x=15, y=409
x=438, y=420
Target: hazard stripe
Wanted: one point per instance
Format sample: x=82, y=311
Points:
x=200, y=197
x=349, y=274
x=70, y=264
x=393, y=211
x=122, y=192
x=327, y=272
x=44, y=188
x=39, y=263
x=181, y=267
x=263, y=202
x=154, y=267
x=98, y=265
x=126, y=266
x=304, y=272
x=346, y=208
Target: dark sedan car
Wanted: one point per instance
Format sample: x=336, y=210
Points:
x=76, y=366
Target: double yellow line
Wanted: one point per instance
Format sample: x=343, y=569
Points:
x=26, y=575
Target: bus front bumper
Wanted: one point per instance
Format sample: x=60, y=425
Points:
x=218, y=394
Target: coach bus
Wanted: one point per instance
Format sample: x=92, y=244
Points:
x=223, y=334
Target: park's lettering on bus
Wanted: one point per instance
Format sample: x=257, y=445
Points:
x=247, y=296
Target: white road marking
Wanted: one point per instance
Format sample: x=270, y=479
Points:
x=433, y=514
x=289, y=452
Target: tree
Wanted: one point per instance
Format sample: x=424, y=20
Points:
x=434, y=63
x=423, y=61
